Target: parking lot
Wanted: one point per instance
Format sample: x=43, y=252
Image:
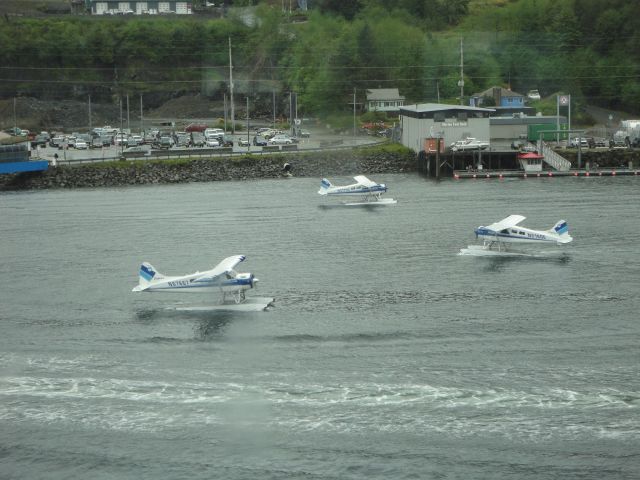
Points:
x=317, y=140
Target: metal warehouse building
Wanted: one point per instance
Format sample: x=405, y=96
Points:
x=451, y=122
x=529, y=127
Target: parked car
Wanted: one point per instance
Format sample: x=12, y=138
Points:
x=183, y=139
x=594, y=142
x=213, y=132
x=145, y=149
x=165, y=142
x=227, y=141
x=243, y=142
x=280, y=140
x=39, y=140
x=260, y=141
x=195, y=127
x=197, y=139
x=533, y=95
x=81, y=144
x=582, y=142
x=267, y=132
x=212, y=142
x=304, y=134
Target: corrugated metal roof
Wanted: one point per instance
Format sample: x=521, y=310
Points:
x=504, y=92
x=440, y=107
x=384, y=94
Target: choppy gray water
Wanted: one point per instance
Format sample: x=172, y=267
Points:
x=387, y=355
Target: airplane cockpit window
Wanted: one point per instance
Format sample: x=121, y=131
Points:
x=506, y=230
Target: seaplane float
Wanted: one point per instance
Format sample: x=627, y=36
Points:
x=499, y=238
x=367, y=191
x=222, y=280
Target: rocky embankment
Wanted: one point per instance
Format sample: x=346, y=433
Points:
x=613, y=158
x=140, y=172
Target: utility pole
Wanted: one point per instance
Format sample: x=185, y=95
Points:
x=224, y=100
x=90, y=127
x=354, y=115
x=141, y=117
x=15, y=122
x=248, y=144
x=290, y=114
x=274, y=109
x=121, y=134
x=461, y=81
x=128, y=117
x=233, y=116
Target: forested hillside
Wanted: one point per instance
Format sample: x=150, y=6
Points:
x=589, y=48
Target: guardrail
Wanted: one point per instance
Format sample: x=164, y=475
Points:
x=271, y=148
x=338, y=144
x=331, y=143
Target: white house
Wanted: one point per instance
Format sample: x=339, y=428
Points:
x=384, y=100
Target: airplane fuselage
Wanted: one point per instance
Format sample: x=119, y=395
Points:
x=519, y=235
x=357, y=189
x=195, y=284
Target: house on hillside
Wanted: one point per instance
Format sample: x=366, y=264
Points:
x=137, y=7
x=384, y=100
x=503, y=97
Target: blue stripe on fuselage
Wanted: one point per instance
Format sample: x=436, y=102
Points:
x=232, y=282
x=361, y=190
x=485, y=232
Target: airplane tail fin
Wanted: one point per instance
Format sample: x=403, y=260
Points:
x=146, y=274
x=324, y=186
x=561, y=228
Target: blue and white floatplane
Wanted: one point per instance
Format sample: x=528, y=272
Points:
x=498, y=238
x=370, y=192
x=222, y=280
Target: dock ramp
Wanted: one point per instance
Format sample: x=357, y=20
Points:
x=552, y=158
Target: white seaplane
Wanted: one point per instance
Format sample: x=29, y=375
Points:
x=222, y=279
x=369, y=192
x=498, y=237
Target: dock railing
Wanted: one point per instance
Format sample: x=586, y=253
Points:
x=554, y=159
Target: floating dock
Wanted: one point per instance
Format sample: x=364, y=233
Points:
x=602, y=172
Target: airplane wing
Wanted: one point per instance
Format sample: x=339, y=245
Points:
x=510, y=221
x=223, y=267
x=364, y=181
